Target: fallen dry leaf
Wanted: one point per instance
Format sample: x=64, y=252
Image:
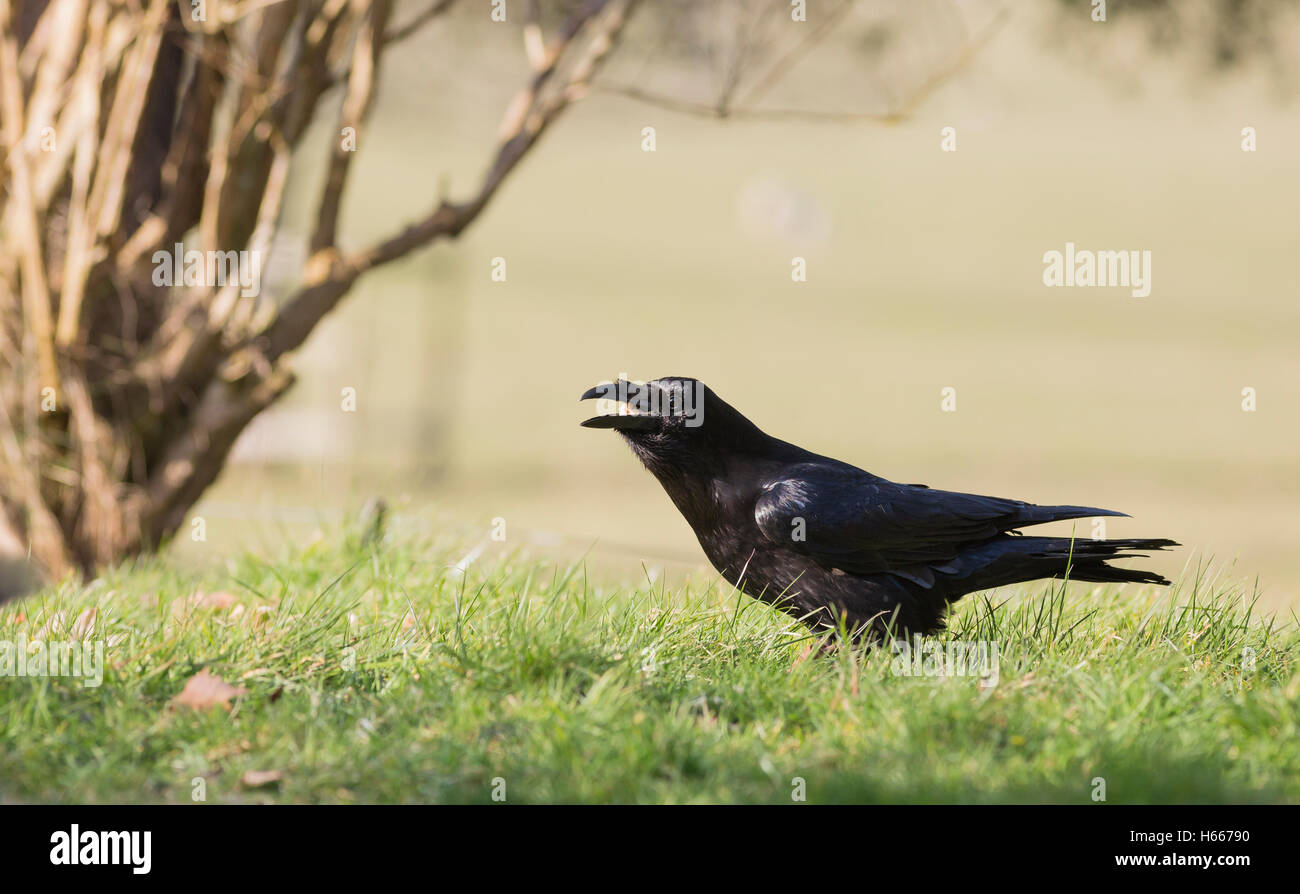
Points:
x=84, y=627
x=54, y=624
x=258, y=778
x=260, y=616
x=220, y=599
x=203, y=690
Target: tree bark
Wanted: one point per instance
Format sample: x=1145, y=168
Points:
x=121, y=398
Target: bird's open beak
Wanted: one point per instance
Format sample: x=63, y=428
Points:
x=628, y=417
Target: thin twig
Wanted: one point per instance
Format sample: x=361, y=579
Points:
x=35, y=290
x=599, y=23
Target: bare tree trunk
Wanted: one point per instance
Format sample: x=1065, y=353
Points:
x=130, y=128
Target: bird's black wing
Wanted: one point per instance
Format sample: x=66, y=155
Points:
x=847, y=519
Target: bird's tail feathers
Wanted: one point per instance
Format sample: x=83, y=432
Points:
x=1086, y=559
x=1027, y=558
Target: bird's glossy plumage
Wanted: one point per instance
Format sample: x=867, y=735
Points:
x=826, y=541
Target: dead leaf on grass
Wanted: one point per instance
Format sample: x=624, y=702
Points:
x=259, y=778
x=204, y=690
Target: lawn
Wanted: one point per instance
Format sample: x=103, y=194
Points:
x=364, y=672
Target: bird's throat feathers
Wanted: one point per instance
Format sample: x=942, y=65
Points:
x=697, y=471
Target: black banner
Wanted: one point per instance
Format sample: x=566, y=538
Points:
x=338, y=844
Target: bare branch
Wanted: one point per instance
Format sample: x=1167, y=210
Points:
x=44, y=536
x=781, y=67
x=534, y=42
x=900, y=112
x=196, y=457
x=356, y=108
x=532, y=111
x=50, y=168
x=98, y=520
x=67, y=22
x=133, y=87
x=185, y=169
x=79, y=254
x=35, y=289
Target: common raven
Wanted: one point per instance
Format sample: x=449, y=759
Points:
x=823, y=540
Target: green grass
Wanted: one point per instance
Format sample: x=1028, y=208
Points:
x=382, y=675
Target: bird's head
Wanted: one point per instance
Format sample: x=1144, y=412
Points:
x=673, y=423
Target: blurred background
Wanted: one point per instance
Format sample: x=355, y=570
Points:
x=924, y=272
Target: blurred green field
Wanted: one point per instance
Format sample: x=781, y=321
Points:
x=924, y=272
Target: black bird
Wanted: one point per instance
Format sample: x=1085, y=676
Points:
x=823, y=540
